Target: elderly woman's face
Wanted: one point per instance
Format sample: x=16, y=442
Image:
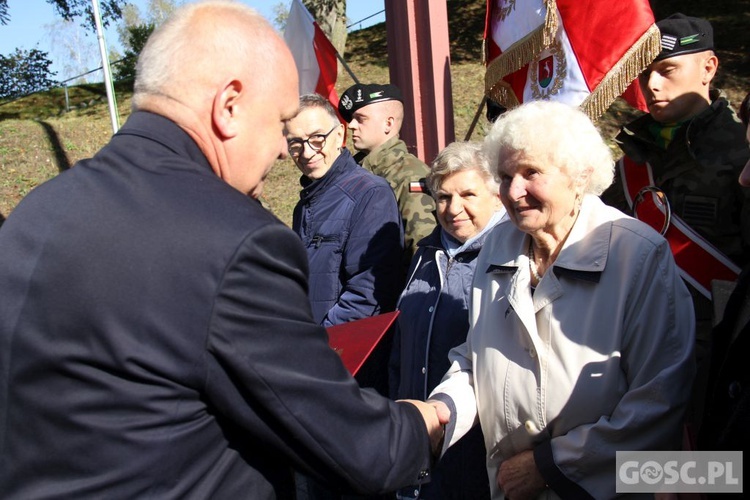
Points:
x=539, y=197
x=465, y=204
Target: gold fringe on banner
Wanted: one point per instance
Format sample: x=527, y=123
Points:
x=503, y=94
x=522, y=52
x=622, y=74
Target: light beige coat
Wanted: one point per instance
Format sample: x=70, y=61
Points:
x=599, y=359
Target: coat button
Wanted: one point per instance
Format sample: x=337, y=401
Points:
x=431, y=309
x=531, y=427
x=532, y=352
x=424, y=370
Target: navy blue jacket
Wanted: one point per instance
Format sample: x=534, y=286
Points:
x=434, y=319
x=434, y=316
x=156, y=342
x=350, y=225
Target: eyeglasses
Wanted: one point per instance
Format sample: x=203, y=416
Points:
x=315, y=141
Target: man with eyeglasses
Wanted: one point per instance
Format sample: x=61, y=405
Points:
x=349, y=223
x=347, y=218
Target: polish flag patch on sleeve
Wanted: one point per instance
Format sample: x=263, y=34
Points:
x=419, y=186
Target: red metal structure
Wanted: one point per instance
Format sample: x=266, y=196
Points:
x=419, y=61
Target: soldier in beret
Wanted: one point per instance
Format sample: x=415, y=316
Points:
x=375, y=114
x=695, y=147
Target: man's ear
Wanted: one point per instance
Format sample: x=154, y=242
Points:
x=225, y=109
x=390, y=122
x=710, y=65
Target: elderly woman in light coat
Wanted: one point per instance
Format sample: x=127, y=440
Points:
x=581, y=337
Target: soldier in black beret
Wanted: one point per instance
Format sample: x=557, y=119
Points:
x=360, y=95
x=694, y=147
x=375, y=113
x=681, y=34
x=676, y=84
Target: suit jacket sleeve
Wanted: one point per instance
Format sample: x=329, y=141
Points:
x=273, y=375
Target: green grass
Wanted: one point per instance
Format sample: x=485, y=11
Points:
x=38, y=138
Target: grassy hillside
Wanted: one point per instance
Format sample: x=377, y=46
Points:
x=38, y=138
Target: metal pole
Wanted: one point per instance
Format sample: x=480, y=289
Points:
x=476, y=118
x=67, y=99
x=346, y=67
x=106, y=69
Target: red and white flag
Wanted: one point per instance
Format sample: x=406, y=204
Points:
x=582, y=52
x=313, y=53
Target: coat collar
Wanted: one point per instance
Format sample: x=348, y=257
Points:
x=312, y=187
x=638, y=129
x=583, y=256
x=165, y=132
x=434, y=239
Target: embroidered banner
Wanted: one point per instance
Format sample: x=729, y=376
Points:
x=582, y=52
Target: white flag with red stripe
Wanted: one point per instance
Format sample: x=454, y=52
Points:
x=582, y=52
x=313, y=53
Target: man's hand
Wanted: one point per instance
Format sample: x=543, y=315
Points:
x=519, y=477
x=444, y=413
x=432, y=421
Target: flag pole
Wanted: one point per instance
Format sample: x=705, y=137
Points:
x=106, y=69
x=346, y=67
x=476, y=118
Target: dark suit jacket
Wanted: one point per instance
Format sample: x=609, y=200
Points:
x=156, y=341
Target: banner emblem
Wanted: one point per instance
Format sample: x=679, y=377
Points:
x=546, y=71
x=551, y=67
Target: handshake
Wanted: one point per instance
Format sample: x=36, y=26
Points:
x=436, y=415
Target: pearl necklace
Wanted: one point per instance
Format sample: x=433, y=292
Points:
x=532, y=263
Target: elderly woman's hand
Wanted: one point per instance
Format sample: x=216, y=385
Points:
x=519, y=477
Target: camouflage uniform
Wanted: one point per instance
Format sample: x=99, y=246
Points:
x=392, y=161
x=699, y=173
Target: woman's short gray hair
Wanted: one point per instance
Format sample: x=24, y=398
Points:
x=457, y=157
x=558, y=134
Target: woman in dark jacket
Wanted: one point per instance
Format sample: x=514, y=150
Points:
x=434, y=306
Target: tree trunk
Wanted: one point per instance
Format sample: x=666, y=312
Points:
x=331, y=17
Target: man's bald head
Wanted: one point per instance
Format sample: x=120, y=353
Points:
x=223, y=74
x=201, y=45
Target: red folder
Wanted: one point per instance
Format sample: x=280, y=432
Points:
x=355, y=341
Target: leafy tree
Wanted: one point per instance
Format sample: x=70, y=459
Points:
x=280, y=13
x=131, y=16
x=110, y=10
x=160, y=10
x=138, y=36
x=4, y=17
x=134, y=31
x=73, y=49
x=24, y=72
